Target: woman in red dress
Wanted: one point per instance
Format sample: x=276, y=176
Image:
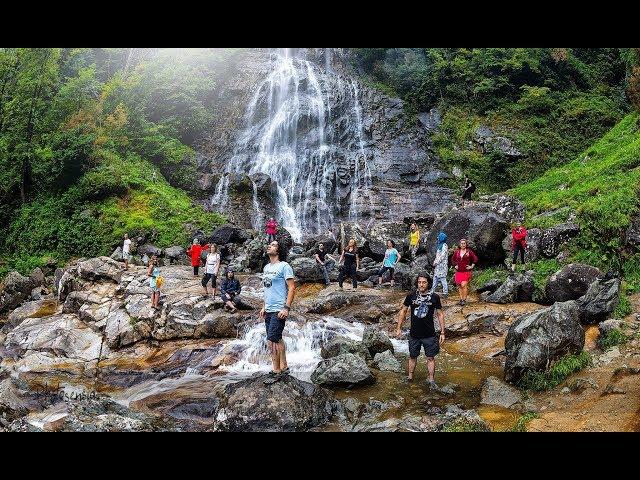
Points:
x=194, y=252
x=464, y=259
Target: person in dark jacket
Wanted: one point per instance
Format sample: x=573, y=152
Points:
x=230, y=291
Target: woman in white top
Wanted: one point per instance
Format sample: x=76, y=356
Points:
x=126, y=251
x=211, y=268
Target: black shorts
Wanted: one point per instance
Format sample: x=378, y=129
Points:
x=274, y=326
x=430, y=344
x=466, y=195
x=207, y=277
x=235, y=299
x=384, y=269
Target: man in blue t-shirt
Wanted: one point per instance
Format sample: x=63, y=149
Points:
x=279, y=285
x=391, y=257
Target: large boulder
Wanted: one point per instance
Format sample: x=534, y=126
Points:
x=307, y=269
x=483, y=228
x=376, y=239
x=376, y=340
x=37, y=277
x=286, y=405
x=344, y=370
x=532, y=252
x=571, y=282
x=497, y=392
x=490, y=285
x=14, y=290
x=509, y=208
x=387, y=362
x=554, y=237
x=516, y=288
x=101, y=268
x=228, y=234
x=34, y=309
x=339, y=345
x=149, y=250
x=537, y=339
x=474, y=323
x=175, y=253
x=600, y=300
x=311, y=242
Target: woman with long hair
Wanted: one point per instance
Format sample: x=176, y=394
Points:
x=211, y=267
x=464, y=259
x=351, y=264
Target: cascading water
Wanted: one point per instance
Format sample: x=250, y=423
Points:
x=304, y=129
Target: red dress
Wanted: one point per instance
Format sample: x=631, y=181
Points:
x=194, y=252
x=461, y=262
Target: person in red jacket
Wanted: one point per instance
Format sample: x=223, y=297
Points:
x=271, y=229
x=518, y=244
x=464, y=259
x=195, y=252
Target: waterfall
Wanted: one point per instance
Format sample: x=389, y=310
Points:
x=303, y=128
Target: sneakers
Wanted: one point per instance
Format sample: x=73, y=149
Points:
x=272, y=377
x=286, y=371
x=409, y=380
x=432, y=385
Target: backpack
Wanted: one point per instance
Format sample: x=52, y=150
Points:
x=159, y=281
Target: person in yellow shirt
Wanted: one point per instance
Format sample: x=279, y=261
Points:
x=414, y=239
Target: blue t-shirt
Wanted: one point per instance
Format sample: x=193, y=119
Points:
x=275, y=285
x=390, y=257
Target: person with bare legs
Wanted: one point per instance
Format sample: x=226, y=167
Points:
x=279, y=286
x=126, y=251
x=423, y=331
x=211, y=267
x=464, y=259
x=153, y=272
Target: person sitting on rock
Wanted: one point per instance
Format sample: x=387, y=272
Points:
x=391, y=258
x=464, y=259
x=467, y=190
x=441, y=265
x=414, y=240
x=422, y=334
x=195, y=252
x=212, y=265
x=351, y=264
x=230, y=291
x=271, y=228
x=321, y=260
x=518, y=244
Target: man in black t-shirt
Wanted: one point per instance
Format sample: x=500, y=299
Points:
x=423, y=331
x=322, y=262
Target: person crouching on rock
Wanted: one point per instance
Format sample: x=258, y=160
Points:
x=321, y=260
x=211, y=267
x=423, y=332
x=153, y=271
x=518, y=244
x=230, y=291
x=464, y=259
x=195, y=252
x=391, y=257
x=441, y=265
x=279, y=286
x=351, y=264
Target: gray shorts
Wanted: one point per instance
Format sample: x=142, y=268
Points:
x=430, y=344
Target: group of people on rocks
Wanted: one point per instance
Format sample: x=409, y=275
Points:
x=422, y=304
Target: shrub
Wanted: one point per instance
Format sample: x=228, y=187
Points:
x=559, y=371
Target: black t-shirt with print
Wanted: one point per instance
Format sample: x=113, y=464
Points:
x=422, y=309
x=322, y=254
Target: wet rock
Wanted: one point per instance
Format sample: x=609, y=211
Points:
x=376, y=340
x=376, y=239
x=553, y=238
x=536, y=339
x=473, y=323
x=101, y=268
x=14, y=290
x=307, y=269
x=371, y=314
x=387, y=362
x=458, y=419
x=600, y=300
x=483, y=228
x=286, y=405
x=353, y=408
x=571, y=282
x=516, y=288
x=497, y=392
x=344, y=370
x=339, y=345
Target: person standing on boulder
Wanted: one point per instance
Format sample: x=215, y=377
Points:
x=441, y=265
x=271, y=228
x=230, y=291
x=414, y=240
x=391, y=257
x=467, y=190
x=212, y=265
x=518, y=244
x=351, y=264
x=464, y=259
x=195, y=252
x=153, y=271
x=321, y=260
x=279, y=287
x=126, y=251
x=423, y=333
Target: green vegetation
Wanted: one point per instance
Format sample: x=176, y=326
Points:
x=624, y=307
x=461, y=424
x=612, y=338
x=483, y=276
x=98, y=142
x=554, y=376
x=542, y=269
x=521, y=423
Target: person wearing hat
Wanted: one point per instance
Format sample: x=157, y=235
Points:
x=230, y=291
x=441, y=265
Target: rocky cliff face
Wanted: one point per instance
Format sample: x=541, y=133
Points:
x=331, y=148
